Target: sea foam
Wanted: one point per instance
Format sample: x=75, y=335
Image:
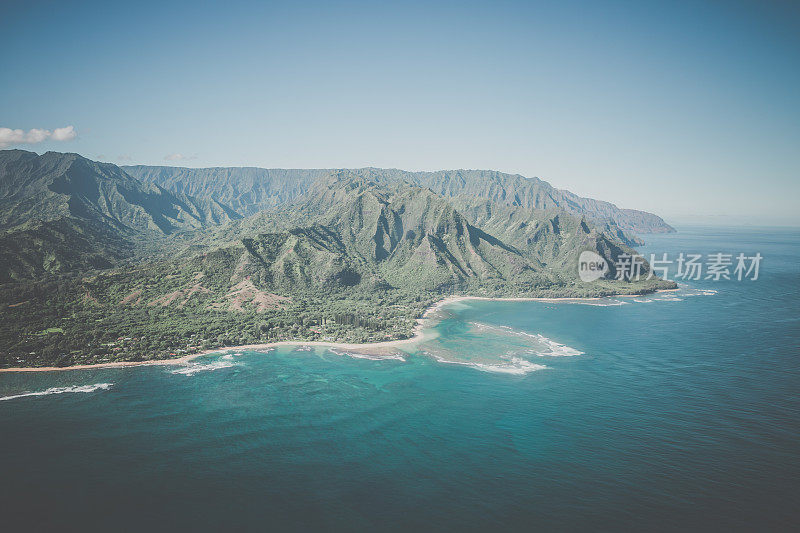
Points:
x=608, y=303
x=545, y=347
x=514, y=365
x=61, y=390
x=356, y=355
x=193, y=368
x=555, y=349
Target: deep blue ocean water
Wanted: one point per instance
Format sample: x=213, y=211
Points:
x=682, y=411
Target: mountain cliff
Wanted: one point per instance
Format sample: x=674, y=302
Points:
x=396, y=234
x=250, y=190
x=62, y=212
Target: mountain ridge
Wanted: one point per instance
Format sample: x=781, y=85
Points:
x=99, y=266
x=56, y=197
x=244, y=188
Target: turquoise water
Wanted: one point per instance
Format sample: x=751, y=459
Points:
x=660, y=413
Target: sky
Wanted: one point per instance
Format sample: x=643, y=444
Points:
x=690, y=110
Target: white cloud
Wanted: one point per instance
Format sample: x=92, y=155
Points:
x=33, y=136
x=125, y=157
x=179, y=157
x=9, y=137
x=67, y=133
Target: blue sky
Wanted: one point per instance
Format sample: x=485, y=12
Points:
x=684, y=109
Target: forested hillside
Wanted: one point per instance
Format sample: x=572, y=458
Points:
x=98, y=266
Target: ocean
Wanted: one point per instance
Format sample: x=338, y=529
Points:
x=669, y=412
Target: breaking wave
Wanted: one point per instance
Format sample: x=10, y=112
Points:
x=512, y=365
x=608, y=303
x=61, y=390
x=684, y=291
x=371, y=357
x=500, y=349
x=554, y=349
x=191, y=369
x=692, y=291
x=544, y=347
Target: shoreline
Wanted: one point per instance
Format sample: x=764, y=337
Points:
x=417, y=336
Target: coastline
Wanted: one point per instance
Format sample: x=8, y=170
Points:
x=418, y=336
x=382, y=345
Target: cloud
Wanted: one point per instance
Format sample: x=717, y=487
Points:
x=125, y=157
x=9, y=137
x=179, y=157
x=67, y=133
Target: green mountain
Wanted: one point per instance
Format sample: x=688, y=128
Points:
x=250, y=190
x=99, y=266
x=247, y=190
x=413, y=236
x=410, y=235
x=63, y=212
x=313, y=257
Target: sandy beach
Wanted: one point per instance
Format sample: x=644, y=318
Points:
x=372, y=348
x=378, y=348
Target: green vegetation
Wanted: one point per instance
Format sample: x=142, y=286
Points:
x=251, y=190
x=123, y=271
x=51, y=330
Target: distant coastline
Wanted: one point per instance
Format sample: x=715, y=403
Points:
x=371, y=347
